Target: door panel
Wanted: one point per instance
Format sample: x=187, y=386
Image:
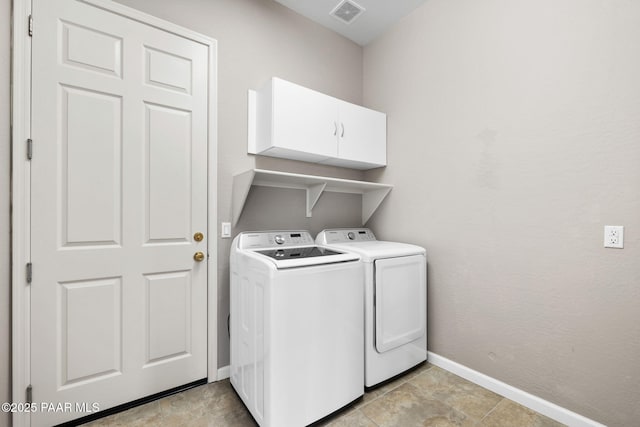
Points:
x=85, y=307
x=104, y=56
x=169, y=313
x=168, y=174
x=400, y=301
x=363, y=134
x=168, y=71
x=119, y=187
x=91, y=150
x=304, y=120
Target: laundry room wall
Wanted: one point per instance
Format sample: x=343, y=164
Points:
x=5, y=177
x=514, y=137
x=258, y=39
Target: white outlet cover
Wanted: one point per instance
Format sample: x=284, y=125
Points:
x=225, y=230
x=614, y=236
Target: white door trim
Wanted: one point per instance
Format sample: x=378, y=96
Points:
x=21, y=184
x=20, y=202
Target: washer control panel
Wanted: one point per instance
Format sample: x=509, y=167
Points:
x=348, y=235
x=274, y=239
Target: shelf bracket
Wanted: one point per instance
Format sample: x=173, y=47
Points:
x=370, y=202
x=240, y=191
x=313, y=194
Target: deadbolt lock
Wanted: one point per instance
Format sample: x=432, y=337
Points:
x=199, y=256
x=198, y=237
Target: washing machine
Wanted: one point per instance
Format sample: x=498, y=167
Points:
x=296, y=327
x=395, y=300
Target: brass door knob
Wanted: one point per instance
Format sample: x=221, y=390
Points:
x=198, y=237
x=198, y=256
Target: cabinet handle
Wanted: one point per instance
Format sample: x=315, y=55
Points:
x=342, y=134
x=335, y=128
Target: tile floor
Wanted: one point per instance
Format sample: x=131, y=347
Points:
x=426, y=396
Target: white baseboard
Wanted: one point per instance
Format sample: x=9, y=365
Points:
x=224, y=373
x=532, y=402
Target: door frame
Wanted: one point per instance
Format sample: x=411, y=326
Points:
x=21, y=189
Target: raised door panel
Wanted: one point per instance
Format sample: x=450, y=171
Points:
x=168, y=174
x=91, y=49
x=304, y=121
x=90, y=319
x=363, y=135
x=168, y=70
x=168, y=316
x=400, y=298
x=90, y=153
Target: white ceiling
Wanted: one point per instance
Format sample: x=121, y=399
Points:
x=377, y=17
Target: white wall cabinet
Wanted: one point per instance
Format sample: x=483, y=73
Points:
x=293, y=122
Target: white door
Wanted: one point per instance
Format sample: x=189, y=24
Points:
x=363, y=134
x=119, y=188
x=400, y=301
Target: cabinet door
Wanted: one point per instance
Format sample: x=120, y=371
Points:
x=304, y=121
x=363, y=135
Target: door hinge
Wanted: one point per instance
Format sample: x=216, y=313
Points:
x=30, y=26
x=29, y=272
x=29, y=394
x=29, y=148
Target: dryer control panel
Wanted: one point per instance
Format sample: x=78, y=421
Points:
x=274, y=239
x=348, y=235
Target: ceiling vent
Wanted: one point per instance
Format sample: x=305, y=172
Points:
x=347, y=11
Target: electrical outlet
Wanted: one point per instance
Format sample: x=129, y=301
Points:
x=225, y=230
x=614, y=236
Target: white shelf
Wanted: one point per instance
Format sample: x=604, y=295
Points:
x=372, y=193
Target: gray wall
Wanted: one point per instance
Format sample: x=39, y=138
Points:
x=5, y=242
x=514, y=137
x=258, y=39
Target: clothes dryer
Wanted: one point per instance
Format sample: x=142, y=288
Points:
x=296, y=325
x=395, y=300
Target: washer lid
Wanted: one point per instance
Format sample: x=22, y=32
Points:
x=377, y=249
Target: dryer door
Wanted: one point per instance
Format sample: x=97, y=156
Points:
x=400, y=301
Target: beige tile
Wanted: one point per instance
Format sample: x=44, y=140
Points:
x=475, y=404
x=368, y=397
x=405, y=406
x=353, y=418
x=427, y=396
x=102, y=422
x=508, y=414
x=385, y=388
x=189, y=404
x=222, y=420
x=222, y=399
x=434, y=382
x=144, y=415
x=425, y=366
x=460, y=394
